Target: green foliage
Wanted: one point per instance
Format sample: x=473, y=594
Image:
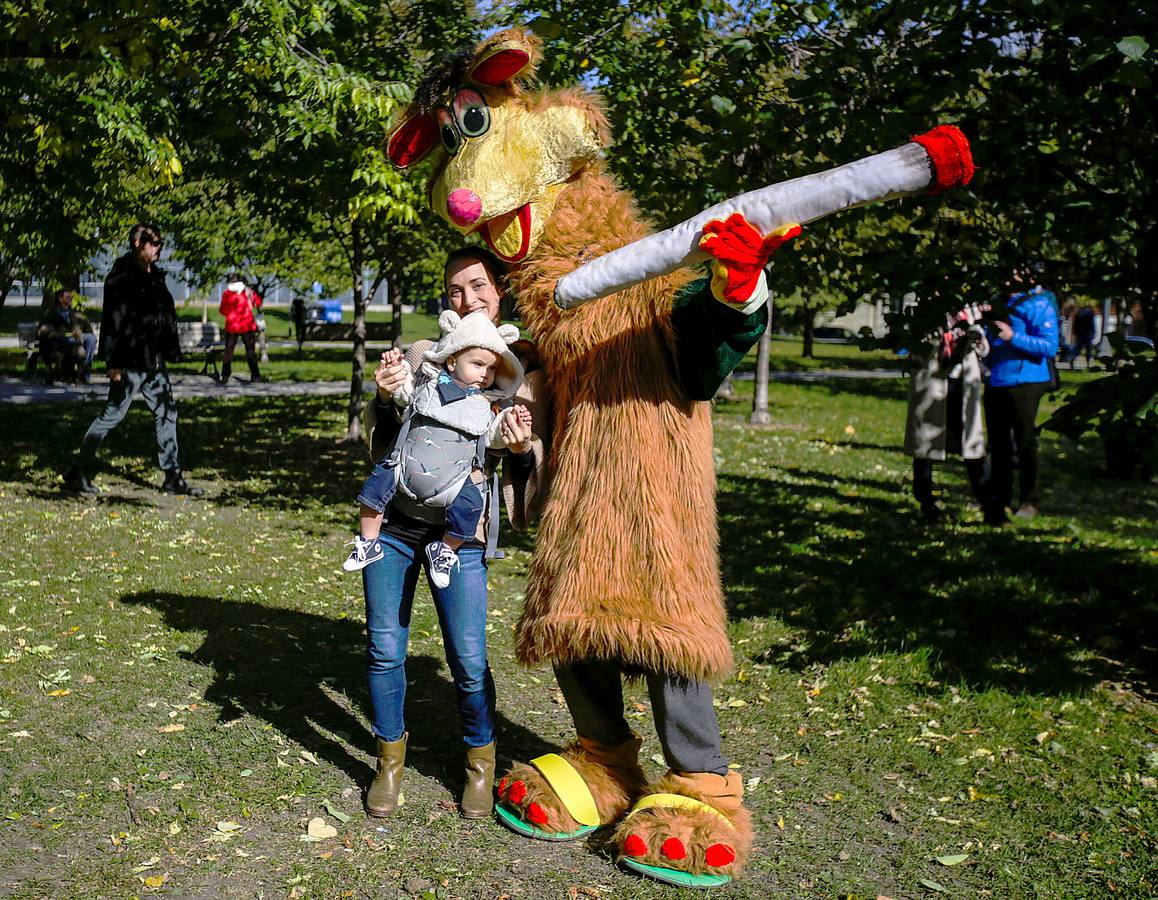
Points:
x=1122, y=409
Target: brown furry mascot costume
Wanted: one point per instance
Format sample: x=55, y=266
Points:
x=625, y=575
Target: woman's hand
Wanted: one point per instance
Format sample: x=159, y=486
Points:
x=516, y=429
x=390, y=375
x=1004, y=329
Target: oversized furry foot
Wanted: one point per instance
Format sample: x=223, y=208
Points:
x=691, y=845
x=530, y=805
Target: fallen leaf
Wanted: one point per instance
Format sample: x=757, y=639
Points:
x=309, y=757
x=953, y=859
x=319, y=829
x=63, y=692
x=155, y=881
x=933, y=886
x=336, y=813
x=171, y=727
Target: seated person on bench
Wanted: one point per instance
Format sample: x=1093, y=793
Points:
x=66, y=339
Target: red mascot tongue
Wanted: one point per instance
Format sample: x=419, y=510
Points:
x=509, y=235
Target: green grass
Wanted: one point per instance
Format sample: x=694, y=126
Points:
x=902, y=692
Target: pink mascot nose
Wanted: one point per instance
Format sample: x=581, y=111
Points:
x=464, y=206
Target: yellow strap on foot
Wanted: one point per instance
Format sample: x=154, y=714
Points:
x=569, y=786
x=676, y=801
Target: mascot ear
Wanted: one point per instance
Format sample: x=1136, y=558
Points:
x=448, y=321
x=501, y=65
x=509, y=333
x=503, y=57
x=412, y=140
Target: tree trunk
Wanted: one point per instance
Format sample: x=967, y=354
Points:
x=1148, y=281
x=7, y=279
x=262, y=345
x=808, y=317
x=727, y=390
x=760, y=414
x=354, y=416
x=394, y=281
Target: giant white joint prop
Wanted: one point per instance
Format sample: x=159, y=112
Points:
x=932, y=162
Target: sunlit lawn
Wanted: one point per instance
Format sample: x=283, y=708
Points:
x=916, y=711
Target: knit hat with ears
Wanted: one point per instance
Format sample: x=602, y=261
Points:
x=477, y=330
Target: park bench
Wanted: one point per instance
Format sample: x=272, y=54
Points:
x=201, y=337
x=28, y=337
x=385, y=332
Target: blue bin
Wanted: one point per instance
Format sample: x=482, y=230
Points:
x=328, y=311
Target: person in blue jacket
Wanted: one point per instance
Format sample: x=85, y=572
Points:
x=1023, y=340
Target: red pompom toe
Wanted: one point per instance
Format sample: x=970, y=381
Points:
x=719, y=855
x=537, y=814
x=517, y=793
x=673, y=848
x=634, y=846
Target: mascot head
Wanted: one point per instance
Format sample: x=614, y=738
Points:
x=504, y=154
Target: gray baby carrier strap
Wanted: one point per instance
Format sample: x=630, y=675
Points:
x=443, y=495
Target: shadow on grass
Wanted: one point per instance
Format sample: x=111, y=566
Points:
x=879, y=388
x=279, y=451
x=1024, y=609
x=305, y=674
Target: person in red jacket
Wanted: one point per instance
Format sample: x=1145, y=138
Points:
x=239, y=305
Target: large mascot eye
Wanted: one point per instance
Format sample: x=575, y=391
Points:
x=448, y=131
x=471, y=113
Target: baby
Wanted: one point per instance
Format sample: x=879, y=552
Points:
x=452, y=417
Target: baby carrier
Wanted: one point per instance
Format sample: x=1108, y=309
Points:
x=437, y=447
x=445, y=429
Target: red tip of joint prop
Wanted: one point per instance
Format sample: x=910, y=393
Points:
x=949, y=155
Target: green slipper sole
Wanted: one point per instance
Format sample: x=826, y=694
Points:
x=674, y=876
x=526, y=829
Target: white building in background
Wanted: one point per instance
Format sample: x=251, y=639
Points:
x=867, y=314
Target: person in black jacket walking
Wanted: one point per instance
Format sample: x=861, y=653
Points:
x=138, y=336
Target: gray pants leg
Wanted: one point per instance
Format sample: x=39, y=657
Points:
x=158, y=396
x=684, y=718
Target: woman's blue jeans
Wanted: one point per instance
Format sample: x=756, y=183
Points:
x=462, y=612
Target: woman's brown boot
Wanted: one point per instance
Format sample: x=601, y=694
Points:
x=382, y=797
x=478, y=796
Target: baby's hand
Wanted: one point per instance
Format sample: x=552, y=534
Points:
x=390, y=374
x=516, y=429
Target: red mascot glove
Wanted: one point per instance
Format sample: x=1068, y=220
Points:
x=741, y=253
